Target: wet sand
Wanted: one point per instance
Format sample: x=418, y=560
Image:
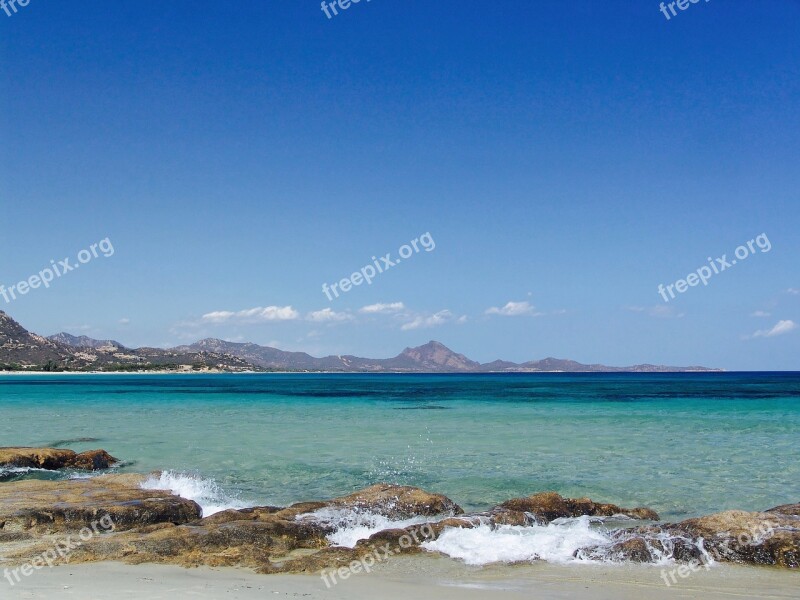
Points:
x=421, y=577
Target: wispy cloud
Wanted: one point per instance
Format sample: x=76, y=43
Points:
x=659, y=311
x=780, y=328
x=253, y=315
x=440, y=318
x=84, y=328
x=381, y=308
x=793, y=291
x=327, y=315
x=124, y=321
x=760, y=313
x=514, y=309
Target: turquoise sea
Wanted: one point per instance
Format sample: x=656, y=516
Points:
x=684, y=444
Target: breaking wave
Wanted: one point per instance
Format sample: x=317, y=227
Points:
x=564, y=541
x=206, y=492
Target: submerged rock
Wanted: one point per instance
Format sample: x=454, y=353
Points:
x=644, y=545
x=792, y=510
x=633, y=550
x=762, y=538
x=755, y=538
x=55, y=458
x=548, y=506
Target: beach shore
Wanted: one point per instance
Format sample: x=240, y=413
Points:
x=404, y=578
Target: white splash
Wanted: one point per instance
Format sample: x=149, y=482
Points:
x=206, y=492
x=555, y=542
x=354, y=525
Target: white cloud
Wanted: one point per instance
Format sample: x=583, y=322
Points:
x=328, y=315
x=514, y=309
x=760, y=313
x=124, y=321
x=793, y=291
x=780, y=328
x=392, y=307
x=420, y=321
x=253, y=315
x=434, y=320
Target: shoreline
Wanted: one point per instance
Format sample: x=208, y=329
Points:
x=403, y=578
x=156, y=524
x=467, y=373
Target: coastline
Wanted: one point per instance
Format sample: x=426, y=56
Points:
x=404, y=578
x=477, y=373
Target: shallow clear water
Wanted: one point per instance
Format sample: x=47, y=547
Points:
x=684, y=444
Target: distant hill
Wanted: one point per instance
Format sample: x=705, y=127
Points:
x=25, y=351
x=85, y=342
x=433, y=357
x=20, y=347
x=22, y=350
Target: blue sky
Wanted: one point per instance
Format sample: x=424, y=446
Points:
x=566, y=158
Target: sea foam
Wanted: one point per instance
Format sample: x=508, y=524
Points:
x=563, y=541
x=206, y=492
x=484, y=544
x=354, y=525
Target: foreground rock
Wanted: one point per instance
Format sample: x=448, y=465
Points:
x=549, y=506
x=47, y=507
x=158, y=527
x=56, y=458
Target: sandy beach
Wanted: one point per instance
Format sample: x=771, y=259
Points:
x=404, y=578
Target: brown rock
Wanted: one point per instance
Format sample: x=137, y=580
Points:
x=260, y=540
x=504, y=516
x=632, y=550
x=792, y=510
x=69, y=505
x=400, y=540
x=92, y=460
x=398, y=502
x=159, y=527
x=458, y=522
x=766, y=538
x=55, y=458
x=242, y=514
x=37, y=458
x=548, y=506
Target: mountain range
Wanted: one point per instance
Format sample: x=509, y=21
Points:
x=21, y=350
